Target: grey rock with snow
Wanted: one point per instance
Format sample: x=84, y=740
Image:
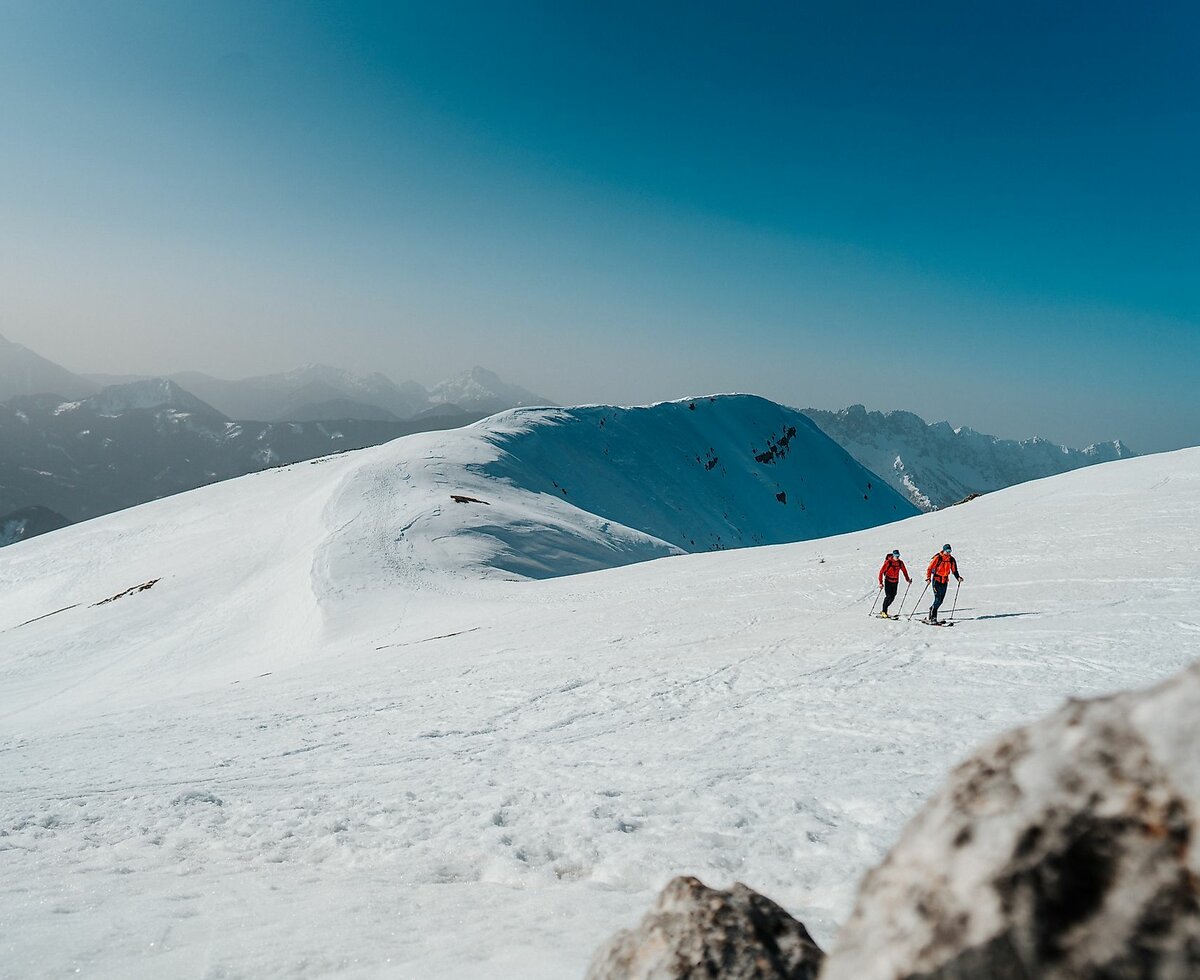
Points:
x=935, y=465
x=695, y=931
x=1064, y=849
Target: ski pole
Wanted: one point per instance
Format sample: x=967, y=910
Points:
x=957, y=586
x=877, y=595
x=904, y=600
x=919, y=598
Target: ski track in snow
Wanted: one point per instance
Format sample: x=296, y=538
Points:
x=226, y=776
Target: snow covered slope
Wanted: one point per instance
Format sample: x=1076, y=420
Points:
x=268, y=728
x=935, y=465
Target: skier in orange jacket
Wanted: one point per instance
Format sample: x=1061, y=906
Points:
x=939, y=571
x=889, y=578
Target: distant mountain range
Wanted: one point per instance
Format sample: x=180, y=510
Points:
x=935, y=465
x=131, y=443
x=317, y=393
x=74, y=447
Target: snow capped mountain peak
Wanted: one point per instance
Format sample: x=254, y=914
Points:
x=482, y=390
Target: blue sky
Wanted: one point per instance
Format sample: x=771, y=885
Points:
x=982, y=213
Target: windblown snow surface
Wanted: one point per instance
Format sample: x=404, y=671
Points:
x=319, y=730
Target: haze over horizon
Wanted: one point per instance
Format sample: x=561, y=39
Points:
x=988, y=217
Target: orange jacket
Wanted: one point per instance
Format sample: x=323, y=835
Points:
x=942, y=567
x=892, y=567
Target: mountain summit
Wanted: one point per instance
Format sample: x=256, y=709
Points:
x=22, y=372
x=151, y=393
x=481, y=390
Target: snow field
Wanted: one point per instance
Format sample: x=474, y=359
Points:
x=318, y=748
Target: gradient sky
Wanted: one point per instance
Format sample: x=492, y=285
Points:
x=983, y=213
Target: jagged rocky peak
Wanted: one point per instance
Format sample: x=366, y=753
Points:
x=936, y=464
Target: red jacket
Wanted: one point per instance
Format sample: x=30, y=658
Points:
x=942, y=567
x=892, y=567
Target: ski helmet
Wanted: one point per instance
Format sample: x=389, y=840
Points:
x=896, y=553
x=946, y=547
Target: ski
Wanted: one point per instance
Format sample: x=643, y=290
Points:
x=941, y=622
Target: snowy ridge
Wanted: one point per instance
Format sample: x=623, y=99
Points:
x=934, y=465
x=693, y=475
x=251, y=727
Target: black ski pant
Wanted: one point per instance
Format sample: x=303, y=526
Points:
x=889, y=592
x=939, y=596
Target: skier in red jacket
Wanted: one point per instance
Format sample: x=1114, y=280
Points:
x=889, y=578
x=941, y=567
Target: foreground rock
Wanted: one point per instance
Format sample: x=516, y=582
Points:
x=1065, y=849
x=697, y=932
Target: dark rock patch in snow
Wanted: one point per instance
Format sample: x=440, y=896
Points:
x=144, y=587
